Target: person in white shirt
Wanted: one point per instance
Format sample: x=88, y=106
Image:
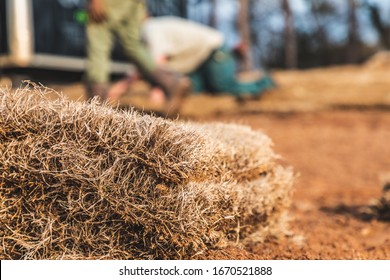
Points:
x=198, y=51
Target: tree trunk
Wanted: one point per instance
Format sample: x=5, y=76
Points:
x=353, y=38
x=183, y=8
x=213, y=14
x=322, y=36
x=290, y=36
x=380, y=26
x=244, y=28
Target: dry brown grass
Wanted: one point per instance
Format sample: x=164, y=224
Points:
x=86, y=181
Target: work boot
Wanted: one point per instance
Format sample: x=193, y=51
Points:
x=176, y=88
x=96, y=89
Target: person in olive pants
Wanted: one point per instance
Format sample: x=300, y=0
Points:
x=122, y=19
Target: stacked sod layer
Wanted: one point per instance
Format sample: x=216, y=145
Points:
x=85, y=181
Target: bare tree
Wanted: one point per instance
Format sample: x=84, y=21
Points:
x=244, y=28
x=353, y=37
x=213, y=14
x=322, y=12
x=382, y=29
x=290, y=36
x=183, y=8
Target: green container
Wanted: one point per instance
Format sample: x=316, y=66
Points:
x=80, y=16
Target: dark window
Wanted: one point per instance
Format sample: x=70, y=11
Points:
x=59, y=28
x=3, y=29
x=56, y=30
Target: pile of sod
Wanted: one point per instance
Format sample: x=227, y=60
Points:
x=85, y=181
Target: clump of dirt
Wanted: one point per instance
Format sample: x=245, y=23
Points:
x=380, y=208
x=85, y=181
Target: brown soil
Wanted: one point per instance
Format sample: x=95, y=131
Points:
x=335, y=133
x=332, y=126
x=340, y=156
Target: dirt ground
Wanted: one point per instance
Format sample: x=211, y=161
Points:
x=336, y=136
x=340, y=157
x=333, y=127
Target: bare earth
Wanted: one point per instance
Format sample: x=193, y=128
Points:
x=333, y=127
x=340, y=157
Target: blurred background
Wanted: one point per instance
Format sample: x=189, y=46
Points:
x=281, y=33
x=295, y=33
